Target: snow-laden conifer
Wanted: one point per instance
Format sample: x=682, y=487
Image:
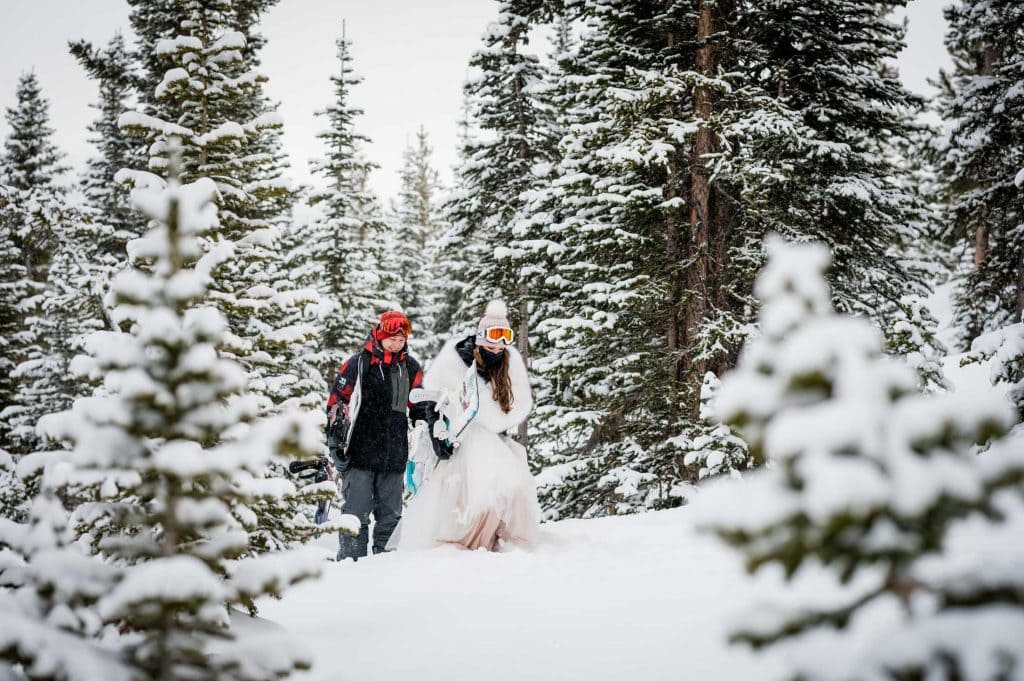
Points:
x=340, y=250
x=493, y=248
x=16, y=290
x=36, y=222
x=30, y=159
x=206, y=92
x=631, y=286
x=692, y=132
x=416, y=226
x=113, y=68
x=892, y=529
x=67, y=308
x=979, y=158
x=164, y=492
x=844, y=182
x=49, y=627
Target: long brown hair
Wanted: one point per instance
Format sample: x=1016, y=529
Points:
x=501, y=384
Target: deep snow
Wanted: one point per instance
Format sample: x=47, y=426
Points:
x=644, y=596
x=613, y=598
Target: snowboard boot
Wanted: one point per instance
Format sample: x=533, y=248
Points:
x=353, y=547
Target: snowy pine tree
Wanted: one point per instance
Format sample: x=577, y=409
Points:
x=634, y=293
x=843, y=183
x=416, y=228
x=207, y=96
x=69, y=306
x=16, y=291
x=49, y=590
x=164, y=494
x=892, y=529
x=31, y=161
x=341, y=248
x=35, y=221
x=692, y=131
x=980, y=160
x=114, y=70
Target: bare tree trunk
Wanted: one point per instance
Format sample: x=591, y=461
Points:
x=1019, y=309
x=980, y=246
x=699, y=272
x=672, y=257
x=981, y=229
x=523, y=287
x=523, y=345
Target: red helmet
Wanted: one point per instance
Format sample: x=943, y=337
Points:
x=392, y=323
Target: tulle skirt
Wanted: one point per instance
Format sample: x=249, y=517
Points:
x=483, y=496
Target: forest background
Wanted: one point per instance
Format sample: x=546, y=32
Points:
x=627, y=176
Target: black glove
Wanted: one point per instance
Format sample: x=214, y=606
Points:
x=442, y=448
x=425, y=411
x=341, y=462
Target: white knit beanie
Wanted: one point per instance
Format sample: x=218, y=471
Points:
x=496, y=314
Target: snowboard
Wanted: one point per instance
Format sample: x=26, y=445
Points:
x=456, y=414
x=468, y=403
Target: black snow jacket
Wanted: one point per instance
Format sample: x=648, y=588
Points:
x=380, y=440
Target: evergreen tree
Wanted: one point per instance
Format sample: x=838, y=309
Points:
x=640, y=233
x=845, y=184
x=49, y=591
x=875, y=496
x=31, y=161
x=206, y=95
x=458, y=244
x=16, y=290
x=980, y=160
x=417, y=226
x=69, y=306
x=164, y=494
x=692, y=130
x=275, y=206
x=493, y=237
x=207, y=92
x=341, y=252
x=32, y=226
x=114, y=70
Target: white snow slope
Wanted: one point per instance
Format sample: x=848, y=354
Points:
x=629, y=597
x=613, y=598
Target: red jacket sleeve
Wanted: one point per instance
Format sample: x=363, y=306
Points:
x=344, y=382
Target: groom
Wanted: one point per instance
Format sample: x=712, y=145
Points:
x=373, y=465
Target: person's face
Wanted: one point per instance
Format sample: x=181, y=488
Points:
x=494, y=347
x=393, y=343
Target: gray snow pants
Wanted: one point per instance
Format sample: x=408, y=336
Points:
x=365, y=491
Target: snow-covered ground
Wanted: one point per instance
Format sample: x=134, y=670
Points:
x=614, y=598
x=644, y=596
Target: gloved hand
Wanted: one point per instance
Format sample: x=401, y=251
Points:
x=442, y=448
x=341, y=462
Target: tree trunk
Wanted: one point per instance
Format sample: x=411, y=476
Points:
x=989, y=59
x=698, y=273
x=980, y=246
x=523, y=345
x=673, y=256
x=1020, y=291
x=523, y=287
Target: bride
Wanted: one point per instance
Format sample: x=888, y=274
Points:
x=481, y=494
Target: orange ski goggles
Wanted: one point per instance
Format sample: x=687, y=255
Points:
x=497, y=334
x=394, y=324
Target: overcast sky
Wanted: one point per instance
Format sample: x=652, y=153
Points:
x=413, y=55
